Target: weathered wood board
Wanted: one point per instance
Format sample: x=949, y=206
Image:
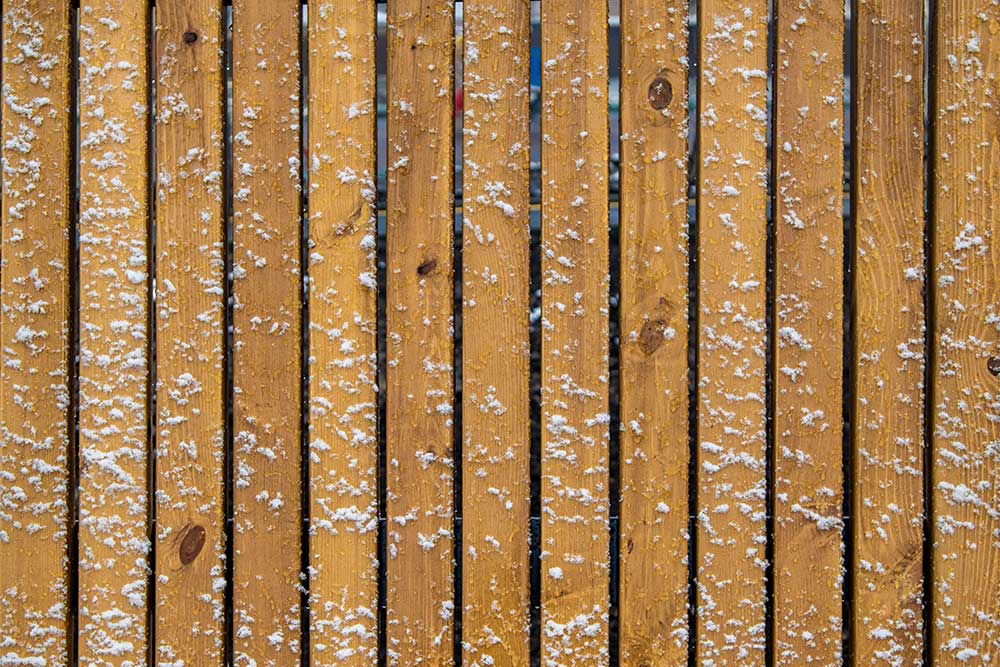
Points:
x=114, y=331
x=574, y=322
x=35, y=226
x=965, y=468
x=889, y=333
x=732, y=199
x=654, y=333
x=419, y=322
x=809, y=334
x=267, y=328
x=190, y=365
x=343, y=409
x=496, y=428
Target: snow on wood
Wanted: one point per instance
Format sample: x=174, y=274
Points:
x=654, y=364
x=420, y=327
x=267, y=293
x=966, y=446
x=114, y=336
x=34, y=300
x=732, y=539
x=343, y=448
x=190, y=265
x=495, y=346
x=889, y=330
x=809, y=302
x=575, y=419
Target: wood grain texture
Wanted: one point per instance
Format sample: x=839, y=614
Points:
x=809, y=340
x=654, y=364
x=190, y=293
x=34, y=330
x=267, y=326
x=343, y=445
x=732, y=199
x=114, y=332
x=889, y=326
x=419, y=356
x=495, y=347
x=575, y=419
x=966, y=442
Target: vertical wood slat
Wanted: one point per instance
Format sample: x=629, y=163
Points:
x=114, y=328
x=342, y=320
x=495, y=346
x=889, y=332
x=34, y=330
x=808, y=345
x=190, y=281
x=966, y=365
x=731, y=338
x=266, y=331
x=419, y=352
x=654, y=365
x=575, y=419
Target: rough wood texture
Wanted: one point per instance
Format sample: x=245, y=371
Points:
x=190, y=280
x=574, y=333
x=266, y=330
x=342, y=321
x=419, y=357
x=495, y=347
x=731, y=337
x=809, y=337
x=966, y=449
x=34, y=297
x=889, y=314
x=114, y=327
x=654, y=334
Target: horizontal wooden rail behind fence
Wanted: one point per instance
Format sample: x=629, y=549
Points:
x=500, y=333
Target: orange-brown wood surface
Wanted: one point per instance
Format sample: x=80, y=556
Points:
x=495, y=348
x=965, y=469
x=343, y=450
x=114, y=332
x=266, y=331
x=34, y=330
x=654, y=334
x=809, y=336
x=89, y=429
x=889, y=332
x=419, y=347
x=190, y=280
x=732, y=223
x=575, y=418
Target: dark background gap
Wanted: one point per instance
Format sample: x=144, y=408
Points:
x=305, y=628
x=456, y=434
x=847, y=408
x=73, y=359
x=151, y=366
x=227, y=197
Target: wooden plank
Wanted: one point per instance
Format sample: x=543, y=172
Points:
x=342, y=346
x=419, y=357
x=809, y=340
x=732, y=198
x=495, y=347
x=267, y=353
x=114, y=326
x=575, y=371
x=654, y=334
x=966, y=446
x=889, y=315
x=34, y=330
x=190, y=281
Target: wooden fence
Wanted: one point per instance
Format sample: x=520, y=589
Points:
x=269, y=397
